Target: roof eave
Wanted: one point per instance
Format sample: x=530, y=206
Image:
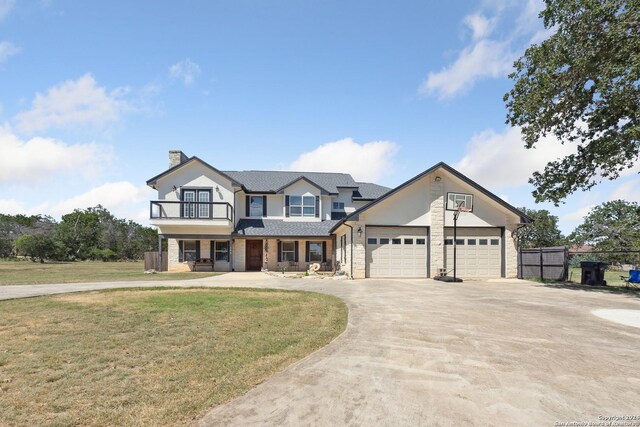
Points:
x=153, y=181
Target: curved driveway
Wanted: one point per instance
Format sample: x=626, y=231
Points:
x=421, y=352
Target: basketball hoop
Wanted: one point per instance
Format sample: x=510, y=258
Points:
x=456, y=214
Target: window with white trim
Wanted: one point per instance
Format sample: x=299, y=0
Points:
x=455, y=200
x=302, y=206
x=337, y=206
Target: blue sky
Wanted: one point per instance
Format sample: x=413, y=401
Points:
x=94, y=94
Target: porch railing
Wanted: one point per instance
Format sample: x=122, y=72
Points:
x=164, y=209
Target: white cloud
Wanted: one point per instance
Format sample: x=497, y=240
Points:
x=11, y=207
x=38, y=159
x=489, y=57
x=480, y=25
x=365, y=162
x=72, y=103
x=185, y=70
x=629, y=191
x=486, y=58
x=123, y=199
x=5, y=8
x=500, y=160
x=7, y=49
x=577, y=215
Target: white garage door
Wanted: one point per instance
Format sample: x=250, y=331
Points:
x=478, y=252
x=396, y=252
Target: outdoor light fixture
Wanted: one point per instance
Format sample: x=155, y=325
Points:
x=359, y=231
x=217, y=189
x=175, y=188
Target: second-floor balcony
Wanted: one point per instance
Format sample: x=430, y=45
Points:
x=220, y=212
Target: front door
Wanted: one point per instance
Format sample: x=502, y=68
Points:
x=254, y=255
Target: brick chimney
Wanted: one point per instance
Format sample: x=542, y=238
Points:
x=176, y=157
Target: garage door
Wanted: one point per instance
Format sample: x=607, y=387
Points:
x=478, y=253
x=396, y=252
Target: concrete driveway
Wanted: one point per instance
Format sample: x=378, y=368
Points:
x=421, y=352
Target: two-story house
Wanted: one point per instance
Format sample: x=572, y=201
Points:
x=254, y=220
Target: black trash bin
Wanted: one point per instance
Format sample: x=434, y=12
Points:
x=593, y=273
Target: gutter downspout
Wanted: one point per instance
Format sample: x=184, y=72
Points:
x=351, y=248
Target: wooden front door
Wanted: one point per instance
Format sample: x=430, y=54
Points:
x=254, y=255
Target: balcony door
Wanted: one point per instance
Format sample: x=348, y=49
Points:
x=196, y=203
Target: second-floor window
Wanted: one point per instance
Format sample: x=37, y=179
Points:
x=302, y=206
x=196, y=203
x=256, y=205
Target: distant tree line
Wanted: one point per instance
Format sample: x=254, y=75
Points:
x=89, y=234
x=608, y=230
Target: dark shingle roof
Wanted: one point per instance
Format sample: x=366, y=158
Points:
x=369, y=191
x=276, y=227
x=272, y=181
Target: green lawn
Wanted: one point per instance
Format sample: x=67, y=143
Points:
x=26, y=272
x=612, y=277
x=150, y=357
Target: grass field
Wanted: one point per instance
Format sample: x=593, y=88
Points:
x=26, y=272
x=611, y=276
x=150, y=357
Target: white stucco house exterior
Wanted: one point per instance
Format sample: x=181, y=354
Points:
x=275, y=220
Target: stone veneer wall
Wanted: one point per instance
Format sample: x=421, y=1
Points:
x=436, y=230
x=359, y=252
x=238, y=254
x=511, y=249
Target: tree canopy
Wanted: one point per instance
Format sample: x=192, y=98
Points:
x=92, y=233
x=611, y=226
x=542, y=232
x=581, y=85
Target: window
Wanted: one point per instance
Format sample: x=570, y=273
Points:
x=338, y=206
x=454, y=200
x=396, y=241
x=189, y=250
x=421, y=241
x=203, y=208
x=196, y=203
x=459, y=241
x=372, y=241
x=384, y=241
x=288, y=251
x=315, y=252
x=302, y=206
x=408, y=241
x=256, y=206
x=222, y=251
x=483, y=242
x=471, y=242
x=495, y=242
x=448, y=241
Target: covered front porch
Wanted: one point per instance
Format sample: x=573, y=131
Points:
x=283, y=254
